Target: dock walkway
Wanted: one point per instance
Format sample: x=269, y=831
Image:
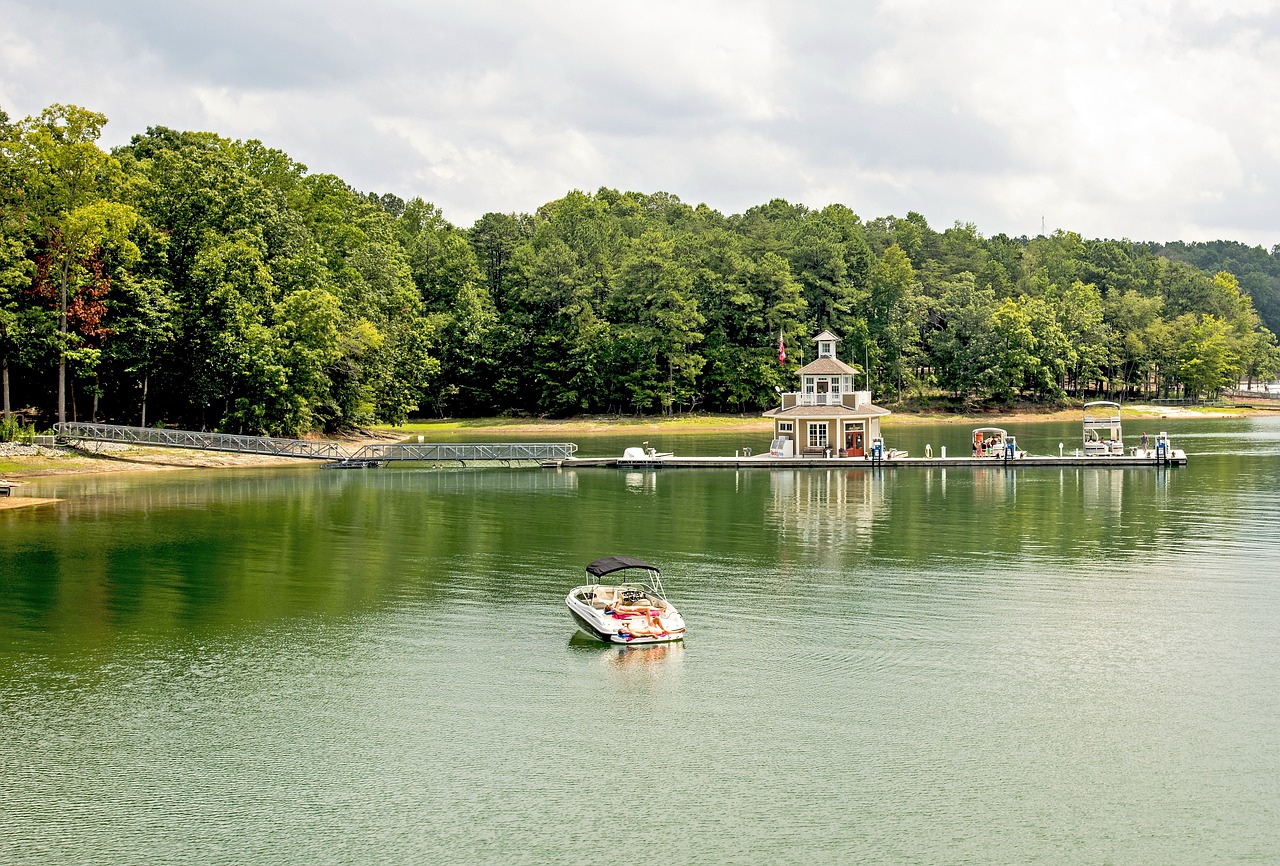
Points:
x=503, y=453
x=767, y=462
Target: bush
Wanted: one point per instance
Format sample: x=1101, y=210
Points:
x=8, y=429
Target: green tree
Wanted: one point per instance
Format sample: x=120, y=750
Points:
x=69, y=183
x=896, y=314
x=1207, y=362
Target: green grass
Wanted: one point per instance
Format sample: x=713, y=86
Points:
x=675, y=423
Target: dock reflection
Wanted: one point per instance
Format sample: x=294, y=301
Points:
x=827, y=509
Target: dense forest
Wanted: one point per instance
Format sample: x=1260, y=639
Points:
x=189, y=280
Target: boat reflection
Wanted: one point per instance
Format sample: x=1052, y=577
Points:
x=628, y=665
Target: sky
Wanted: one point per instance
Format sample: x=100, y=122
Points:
x=1153, y=120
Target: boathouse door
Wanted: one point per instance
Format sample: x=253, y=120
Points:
x=854, y=446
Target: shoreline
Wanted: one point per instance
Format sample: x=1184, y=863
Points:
x=111, y=458
x=681, y=424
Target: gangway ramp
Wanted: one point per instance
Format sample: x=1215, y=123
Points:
x=469, y=452
x=318, y=449
x=309, y=449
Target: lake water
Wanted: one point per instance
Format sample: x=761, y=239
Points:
x=290, y=665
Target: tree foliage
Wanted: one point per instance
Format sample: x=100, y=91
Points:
x=197, y=281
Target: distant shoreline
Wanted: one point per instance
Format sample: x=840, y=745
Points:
x=115, y=458
x=682, y=424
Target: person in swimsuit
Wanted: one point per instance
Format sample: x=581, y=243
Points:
x=650, y=627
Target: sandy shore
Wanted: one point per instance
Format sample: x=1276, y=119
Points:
x=22, y=461
x=735, y=423
x=19, y=462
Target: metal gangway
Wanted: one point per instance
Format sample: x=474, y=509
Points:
x=470, y=452
x=317, y=449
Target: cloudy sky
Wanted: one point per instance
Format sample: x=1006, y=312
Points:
x=1146, y=119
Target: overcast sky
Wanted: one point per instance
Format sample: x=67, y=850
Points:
x=1147, y=120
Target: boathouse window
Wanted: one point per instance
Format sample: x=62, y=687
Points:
x=784, y=427
x=826, y=349
x=817, y=435
x=808, y=384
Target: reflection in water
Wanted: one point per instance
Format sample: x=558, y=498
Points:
x=279, y=666
x=641, y=482
x=827, y=509
x=630, y=666
x=995, y=486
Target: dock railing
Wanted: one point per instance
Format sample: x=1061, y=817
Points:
x=500, y=452
x=309, y=449
x=319, y=449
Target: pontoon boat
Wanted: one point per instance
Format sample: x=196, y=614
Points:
x=630, y=612
x=995, y=442
x=1102, y=436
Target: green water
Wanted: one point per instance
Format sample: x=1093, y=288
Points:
x=291, y=665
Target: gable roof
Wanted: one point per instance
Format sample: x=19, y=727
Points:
x=825, y=336
x=828, y=366
x=866, y=410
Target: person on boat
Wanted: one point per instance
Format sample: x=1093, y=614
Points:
x=650, y=627
x=641, y=607
x=1144, y=440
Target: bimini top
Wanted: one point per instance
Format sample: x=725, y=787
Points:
x=610, y=564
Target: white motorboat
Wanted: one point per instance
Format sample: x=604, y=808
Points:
x=628, y=612
x=643, y=457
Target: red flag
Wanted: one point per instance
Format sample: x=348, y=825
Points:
x=782, y=350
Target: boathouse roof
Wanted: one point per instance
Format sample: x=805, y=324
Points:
x=828, y=366
x=866, y=410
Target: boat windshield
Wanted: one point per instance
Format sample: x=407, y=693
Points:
x=611, y=564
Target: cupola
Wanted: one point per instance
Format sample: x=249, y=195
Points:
x=826, y=344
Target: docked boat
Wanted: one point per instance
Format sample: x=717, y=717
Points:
x=643, y=456
x=1102, y=432
x=634, y=611
x=995, y=442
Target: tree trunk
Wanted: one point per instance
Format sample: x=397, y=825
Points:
x=62, y=350
x=144, y=400
x=7, y=412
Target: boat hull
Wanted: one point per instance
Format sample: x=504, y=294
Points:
x=604, y=627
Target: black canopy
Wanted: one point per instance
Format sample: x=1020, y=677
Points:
x=610, y=564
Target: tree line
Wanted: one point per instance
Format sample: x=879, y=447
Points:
x=196, y=281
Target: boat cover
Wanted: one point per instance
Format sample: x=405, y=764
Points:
x=610, y=564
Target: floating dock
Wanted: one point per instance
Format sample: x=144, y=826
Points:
x=767, y=462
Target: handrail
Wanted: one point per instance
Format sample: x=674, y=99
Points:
x=431, y=453
x=316, y=449
x=165, y=437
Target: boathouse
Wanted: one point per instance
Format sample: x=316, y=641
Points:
x=827, y=416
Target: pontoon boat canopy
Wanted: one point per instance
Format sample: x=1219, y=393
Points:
x=610, y=564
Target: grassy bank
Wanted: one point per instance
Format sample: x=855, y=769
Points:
x=732, y=423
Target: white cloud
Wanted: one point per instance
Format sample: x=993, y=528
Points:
x=1152, y=120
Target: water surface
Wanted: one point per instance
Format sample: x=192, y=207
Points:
x=988, y=666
